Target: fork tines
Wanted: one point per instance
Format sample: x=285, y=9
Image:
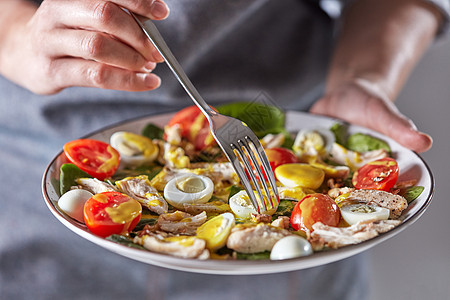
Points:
x=246, y=149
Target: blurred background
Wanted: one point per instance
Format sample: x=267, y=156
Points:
x=415, y=264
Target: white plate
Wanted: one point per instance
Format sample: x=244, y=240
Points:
x=411, y=166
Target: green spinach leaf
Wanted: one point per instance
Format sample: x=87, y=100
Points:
x=363, y=142
x=412, y=193
x=340, y=133
x=253, y=256
x=262, y=119
x=123, y=240
x=153, y=132
x=68, y=174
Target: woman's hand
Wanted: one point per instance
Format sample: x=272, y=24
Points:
x=361, y=103
x=80, y=43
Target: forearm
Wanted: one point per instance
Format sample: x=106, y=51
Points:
x=14, y=14
x=381, y=41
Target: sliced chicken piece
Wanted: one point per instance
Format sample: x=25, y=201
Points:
x=180, y=246
x=330, y=170
x=354, y=160
x=217, y=172
x=255, y=238
x=261, y=218
x=336, y=192
x=295, y=193
x=336, y=237
x=173, y=134
x=395, y=203
x=282, y=222
x=95, y=186
x=180, y=222
x=212, y=207
x=162, y=178
x=175, y=157
x=272, y=140
x=139, y=188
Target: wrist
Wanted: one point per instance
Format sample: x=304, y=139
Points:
x=381, y=41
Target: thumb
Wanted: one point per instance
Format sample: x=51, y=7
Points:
x=391, y=122
x=360, y=104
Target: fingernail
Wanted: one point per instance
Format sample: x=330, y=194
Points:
x=149, y=66
x=157, y=56
x=152, y=81
x=159, y=10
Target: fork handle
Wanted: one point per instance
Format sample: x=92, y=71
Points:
x=157, y=40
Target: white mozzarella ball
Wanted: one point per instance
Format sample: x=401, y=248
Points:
x=72, y=203
x=290, y=247
x=355, y=213
x=188, y=189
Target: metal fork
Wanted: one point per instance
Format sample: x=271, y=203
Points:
x=237, y=140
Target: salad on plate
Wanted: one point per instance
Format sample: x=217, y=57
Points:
x=171, y=190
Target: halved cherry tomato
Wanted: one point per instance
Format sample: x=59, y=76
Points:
x=194, y=127
x=96, y=158
x=111, y=213
x=380, y=174
x=279, y=156
x=315, y=208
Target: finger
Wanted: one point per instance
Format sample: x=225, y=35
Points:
x=80, y=72
x=374, y=113
x=155, y=9
x=107, y=17
x=100, y=47
x=387, y=119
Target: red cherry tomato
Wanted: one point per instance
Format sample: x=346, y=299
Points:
x=380, y=174
x=111, y=213
x=96, y=158
x=315, y=208
x=194, y=127
x=280, y=156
